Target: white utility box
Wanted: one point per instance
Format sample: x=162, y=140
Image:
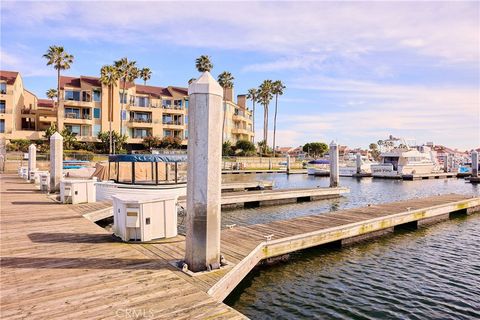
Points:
x=24, y=173
x=77, y=191
x=32, y=174
x=45, y=181
x=144, y=218
x=36, y=176
x=20, y=170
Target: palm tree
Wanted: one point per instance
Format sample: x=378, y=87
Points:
x=128, y=73
x=51, y=93
x=265, y=96
x=145, y=74
x=253, y=95
x=203, y=64
x=277, y=90
x=60, y=60
x=225, y=79
x=109, y=77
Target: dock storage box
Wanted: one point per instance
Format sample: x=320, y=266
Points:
x=45, y=181
x=77, y=191
x=144, y=218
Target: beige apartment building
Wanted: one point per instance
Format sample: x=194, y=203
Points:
x=138, y=112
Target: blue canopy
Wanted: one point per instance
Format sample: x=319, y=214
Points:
x=147, y=158
x=319, y=161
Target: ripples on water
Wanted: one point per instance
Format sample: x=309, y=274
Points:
x=430, y=273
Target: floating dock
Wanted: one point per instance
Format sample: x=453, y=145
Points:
x=246, y=186
x=292, y=171
x=57, y=264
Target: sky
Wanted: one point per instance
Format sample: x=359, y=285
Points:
x=355, y=72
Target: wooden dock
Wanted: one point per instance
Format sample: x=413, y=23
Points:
x=441, y=175
x=293, y=171
x=57, y=264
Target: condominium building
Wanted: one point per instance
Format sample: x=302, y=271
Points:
x=138, y=111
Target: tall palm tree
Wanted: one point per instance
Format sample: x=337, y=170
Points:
x=225, y=79
x=51, y=93
x=277, y=90
x=145, y=74
x=203, y=63
x=60, y=60
x=108, y=77
x=253, y=95
x=265, y=96
x=128, y=73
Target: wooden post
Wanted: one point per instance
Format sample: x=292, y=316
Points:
x=204, y=174
x=334, y=169
x=288, y=164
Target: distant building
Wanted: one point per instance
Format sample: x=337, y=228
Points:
x=84, y=106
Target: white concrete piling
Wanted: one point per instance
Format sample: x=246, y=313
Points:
x=56, y=161
x=288, y=164
x=359, y=163
x=32, y=159
x=334, y=168
x=475, y=164
x=204, y=174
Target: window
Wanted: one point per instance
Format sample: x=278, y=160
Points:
x=186, y=104
x=178, y=103
x=86, y=96
x=97, y=95
x=167, y=133
x=3, y=88
x=123, y=97
x=96, y=129
x=141, y=101
x=141, y=133
x=73, y=128
x=186, y=134
x=85, y=131
x=96, y=113
x=166, y=103
x=2, y=106
x=72, y=113
x=2, y=126
x=72, y=95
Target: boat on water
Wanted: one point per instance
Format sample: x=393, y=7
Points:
x=401, y=159
x=318, y=167
x=348, y=168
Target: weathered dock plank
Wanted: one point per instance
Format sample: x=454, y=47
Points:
x=56, y=264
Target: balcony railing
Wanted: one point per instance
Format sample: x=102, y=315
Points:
x=170, y=107
x=177, y=123
x=78, y=116
x=141, y=120
x=28, y=111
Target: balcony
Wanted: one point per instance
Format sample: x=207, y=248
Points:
x=240, y=130
x=47, y=118
x=174, y=109
x=141, y=120
x=78, y=116
x=26, y=111
x=79, y=103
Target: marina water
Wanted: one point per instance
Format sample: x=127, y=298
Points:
x=429, y=273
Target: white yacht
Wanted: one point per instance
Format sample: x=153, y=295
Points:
x=404, y=160
x=320, y=167
x=348, y=168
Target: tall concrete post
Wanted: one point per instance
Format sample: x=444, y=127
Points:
x=451, y=163
x=446, y=162
x=32, y=159
x=288, y=164
x=334, y=169
x=358, y=161
x=204, y=174
x=474, y=164
x=56, y=161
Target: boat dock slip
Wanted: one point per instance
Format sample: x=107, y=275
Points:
x=57, y=264
x=293, y=171
x=424, y=176
x=279, y=196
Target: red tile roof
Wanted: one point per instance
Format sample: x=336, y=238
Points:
x=8, y=76
x=45, y=103
x=93, y=81
x=69, y=81
x=181, y=90
x=157, y=92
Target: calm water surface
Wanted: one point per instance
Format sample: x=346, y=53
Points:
x=430, y=273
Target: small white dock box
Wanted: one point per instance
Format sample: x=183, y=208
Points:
x=144, y=218
x=32, y=174
x=36, y=176
x=77, y=191
x=20, y=170
x=24, y=173
x=45, y=181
